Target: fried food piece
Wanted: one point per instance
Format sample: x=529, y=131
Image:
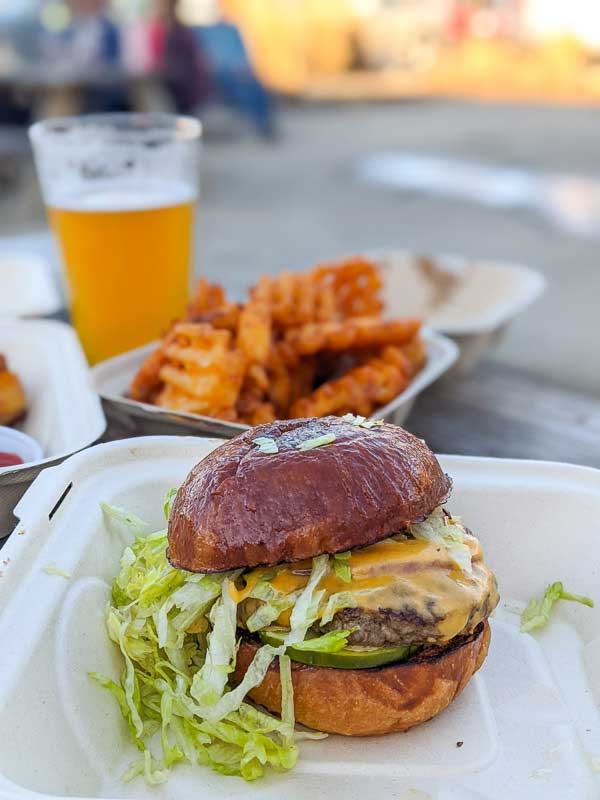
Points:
x=361, y=390
x=147, y=382
x=254, y=325
x=225, y=318
x=262, y=360
x=13, y=402
x=297, y=299
x=207, y=297
x=351, y=334
x=355, y=283
x=416, y=352
x=202, y=373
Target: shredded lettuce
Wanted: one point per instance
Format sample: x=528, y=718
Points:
x=341, y=567
x=537, y=613
x=210, y=681
x=445, y=532
x=287, y=696
x=168, y=504
x=231, y=701
x=316, y=441
x=331, y=642
x=176, y=632
x=52, y=569
x=335, y=603
x=305, y=611
x=119, y=515
x=267, y=613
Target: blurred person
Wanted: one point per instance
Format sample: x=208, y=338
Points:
x=93, y=39
x=234, y=79
x=180, y=58
x=89, y=49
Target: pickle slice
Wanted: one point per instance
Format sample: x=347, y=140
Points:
x=348, y=658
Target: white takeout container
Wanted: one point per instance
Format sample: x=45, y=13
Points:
x=63, y=414
x=27, y=286
x=470, y=300
x=19, y=443
x=112, y=378
x=529, y=721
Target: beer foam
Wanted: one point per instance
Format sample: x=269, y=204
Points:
x=127, y=198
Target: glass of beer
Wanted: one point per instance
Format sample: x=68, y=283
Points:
x=120, y=191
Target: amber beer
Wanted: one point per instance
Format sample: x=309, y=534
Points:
x=120, y=190
x=127, y=261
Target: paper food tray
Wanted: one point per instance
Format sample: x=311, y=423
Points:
x=470, y=300
x=27, y=286
x=64, y=414
x=111, y=379
x=529, y=720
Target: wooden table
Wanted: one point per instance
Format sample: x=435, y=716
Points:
x=499, y=411
x=504, y=412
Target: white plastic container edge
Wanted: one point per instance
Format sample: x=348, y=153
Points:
x=529, y=721
x=64, y=413
x=111, y=379
x=27, y=285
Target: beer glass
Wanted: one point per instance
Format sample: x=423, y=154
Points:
x=120, y=191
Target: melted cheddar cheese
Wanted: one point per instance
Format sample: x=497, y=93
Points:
x=403, y=575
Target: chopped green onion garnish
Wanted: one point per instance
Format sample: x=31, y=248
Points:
x=361, y=422
x=317, y=441
x=266, y=445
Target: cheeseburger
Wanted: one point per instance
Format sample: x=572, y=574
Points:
x=340, y=554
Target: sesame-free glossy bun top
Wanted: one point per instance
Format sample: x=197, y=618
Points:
x=240, y=507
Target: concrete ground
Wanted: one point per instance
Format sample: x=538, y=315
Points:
x=267, y=207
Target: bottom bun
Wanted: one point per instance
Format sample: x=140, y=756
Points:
x=369, y=702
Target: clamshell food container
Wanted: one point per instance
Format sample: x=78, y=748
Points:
x=63, y=415
x=527, y=727
x=27, y=286
x=472, y=301
x=111, y=379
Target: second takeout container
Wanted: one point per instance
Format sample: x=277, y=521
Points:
x=64, y=413
x=27, y=286
x=527, y=727
x=471, y=300
x=112, y=379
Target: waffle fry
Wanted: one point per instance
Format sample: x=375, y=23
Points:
x=351, y=334
x=361, y=390
x=254, y=327
x=201, y=372
x=302, y=345
x=225, y=318
x=207, y=297
x=355, y=283
x=147, y=382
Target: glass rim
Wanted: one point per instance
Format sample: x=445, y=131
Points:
x=135, y=124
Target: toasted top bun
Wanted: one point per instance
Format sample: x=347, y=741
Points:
x=240, y=507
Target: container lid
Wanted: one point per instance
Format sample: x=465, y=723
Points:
x=27, y=286
x=456, y=295
x=112, y=378
x=19, y=443
x=527, y=727
x=63, y=412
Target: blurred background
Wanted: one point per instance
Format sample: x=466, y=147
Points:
x=339, y=126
